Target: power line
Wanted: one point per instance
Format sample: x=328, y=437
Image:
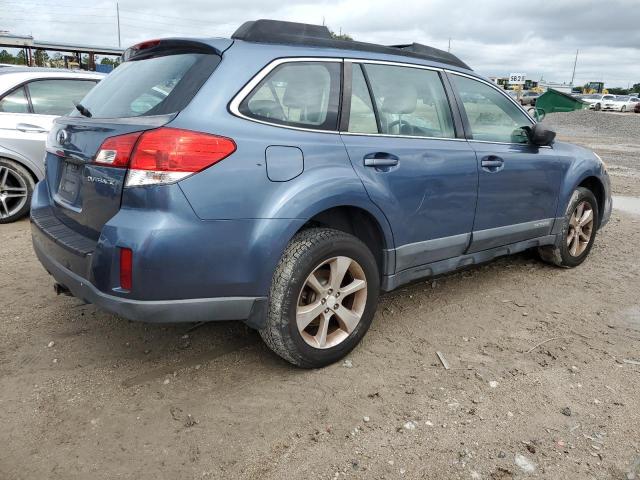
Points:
x=138, y=12
x=31, y=3
x=52, y=21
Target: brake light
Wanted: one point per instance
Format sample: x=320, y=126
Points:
x=134, y=50
x=146, y=44
x=126, y=268
x=166, y=155
x=116, y=151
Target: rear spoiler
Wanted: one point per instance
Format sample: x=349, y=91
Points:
x=173, y=46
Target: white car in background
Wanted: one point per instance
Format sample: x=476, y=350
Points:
x=30, y=100
x=596, y=100
x=622, y=103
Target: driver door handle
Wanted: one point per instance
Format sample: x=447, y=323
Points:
x=492, y=163
x=28, y=128
x=380, y=159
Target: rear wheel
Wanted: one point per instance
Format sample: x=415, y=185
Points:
x=323, y=298
x=598, y=106
x=16, y=188
x=578, y=231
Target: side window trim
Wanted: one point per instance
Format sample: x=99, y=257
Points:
x=456, y=116
x=25, y=86
x=457, y=128
x=48, y=79
x=463, y=113
x=458, y=113
x=376, y=113
x=247, y=89
x=28, y=94
x=345, y=100
x=21, y=86
x=501, y=90
x=466, y=126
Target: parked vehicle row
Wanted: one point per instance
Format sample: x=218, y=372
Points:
x=608, y=102
x=284, y=178
x=30, y=99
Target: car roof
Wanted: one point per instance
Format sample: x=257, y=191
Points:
x=308, y=35
x=11, y=77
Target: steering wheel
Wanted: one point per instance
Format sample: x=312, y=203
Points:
x=400, y=123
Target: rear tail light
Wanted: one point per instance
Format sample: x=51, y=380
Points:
x=116, y=151
x=163, y=155
x=126, y=268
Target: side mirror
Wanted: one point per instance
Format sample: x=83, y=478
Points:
x=540, y=136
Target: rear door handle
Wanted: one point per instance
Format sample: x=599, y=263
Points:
x=380, y=159
x=492, y=163
x=27, y=127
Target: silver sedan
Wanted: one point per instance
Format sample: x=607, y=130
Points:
x=30, y=99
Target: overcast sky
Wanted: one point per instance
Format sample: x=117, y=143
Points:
x=495, y=37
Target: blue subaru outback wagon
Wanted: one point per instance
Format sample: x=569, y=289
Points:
x=285, y=178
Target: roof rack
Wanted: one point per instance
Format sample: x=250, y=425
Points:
x=293, y=33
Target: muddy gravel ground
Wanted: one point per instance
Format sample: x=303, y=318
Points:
x=541, y=383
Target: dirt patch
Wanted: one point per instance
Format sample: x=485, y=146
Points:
x=538, y=384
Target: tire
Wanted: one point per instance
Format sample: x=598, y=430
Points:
x=623, y=109
x=16, y=189
x=569, y=251
x=310, y=252
x=597, y=107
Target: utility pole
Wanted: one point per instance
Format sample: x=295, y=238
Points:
x=118, y=17
x=449, y=48
x=573, y=76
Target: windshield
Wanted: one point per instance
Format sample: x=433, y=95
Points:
x=154, y=86
x=592, y=97
x=608, y=97
x=622, y=99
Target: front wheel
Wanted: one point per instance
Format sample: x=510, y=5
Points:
x=598, y=106
x=623, y=109
x=323, y=297
x=578, y=231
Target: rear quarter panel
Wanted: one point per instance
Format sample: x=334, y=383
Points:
x=238, y=189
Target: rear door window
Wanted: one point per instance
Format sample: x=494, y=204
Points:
x=59, y=96
x=410, y=101
x=15, y=102
x=298, y=94
x=151, y=86
x=362, y=116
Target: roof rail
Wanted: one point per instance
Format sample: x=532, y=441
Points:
x=293, y=33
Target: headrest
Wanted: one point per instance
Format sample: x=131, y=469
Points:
x=301, y=93
x=401, y=100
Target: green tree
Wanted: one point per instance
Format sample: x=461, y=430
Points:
x=21, y=58
x=110, y=61
x=6, y=57
x=340, y=36
x=636, y=87
x=41, y=58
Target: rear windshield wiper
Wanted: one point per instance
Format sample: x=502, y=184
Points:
x=83, y=110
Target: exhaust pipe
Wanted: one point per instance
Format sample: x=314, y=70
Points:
x=61, y=290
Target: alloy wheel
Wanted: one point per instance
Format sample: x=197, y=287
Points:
x=580, y=229
x=13, y=192
x=331, y=302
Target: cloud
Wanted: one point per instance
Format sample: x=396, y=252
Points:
x=493, y=36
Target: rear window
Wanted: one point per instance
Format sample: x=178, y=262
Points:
x=153, y=86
